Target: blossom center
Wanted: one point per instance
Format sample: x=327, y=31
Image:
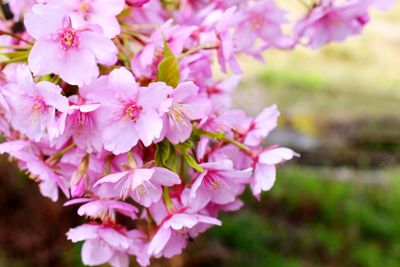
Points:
x=177, y=116
x=144, y=189
x=83, y=121
x=85, y=9
x=131, y=111
x=38, y=108
x=68, y=38
x=213, y=181
x=256, y=21
x=38, y=105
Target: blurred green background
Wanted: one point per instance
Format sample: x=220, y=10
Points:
x=338, y=205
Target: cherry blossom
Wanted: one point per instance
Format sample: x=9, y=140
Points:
x=65, y=49
x=117, y=105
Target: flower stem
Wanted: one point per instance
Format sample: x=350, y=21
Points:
x=53, y=160
x=197, y=49
x=241, y=146
x=167, y=199
x=16, y=37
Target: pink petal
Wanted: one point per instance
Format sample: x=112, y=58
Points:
x=114, y=238
x=95, y=252
x=276, y=155
x=83, y=232
x=160, y=239
x=165, y=177
x=119, y=260
x=149, y=127
x=112, y=178
x=264, y=178
x=102, y=47
x=185, y=91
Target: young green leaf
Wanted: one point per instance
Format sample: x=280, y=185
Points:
x=168, y=69
x=192, y=162
x=165, y=155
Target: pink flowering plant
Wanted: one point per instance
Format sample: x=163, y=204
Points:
x=114, y=104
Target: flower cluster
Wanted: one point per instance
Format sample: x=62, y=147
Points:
x=115, y=104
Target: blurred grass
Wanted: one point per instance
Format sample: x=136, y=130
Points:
x=308, y=220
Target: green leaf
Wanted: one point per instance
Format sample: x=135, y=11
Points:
x=17, y=56
x=165, y=155
x=192, y=162
x=170, y=4
x=185, y=146
x=201, y=132
x=168, y=69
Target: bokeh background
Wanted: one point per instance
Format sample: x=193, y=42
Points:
x=338, y=205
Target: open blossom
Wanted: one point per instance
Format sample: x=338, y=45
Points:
x=103, y=244
x=128, y=113
x=262, y=20
x=50, y=181
x=265, y=168
x=146, y=60
x=100, y=12
x=65, y=49
x=258, y=128
x=222, y=37
x=225, y=42
x=141, y=184
x=174, y=229
x=35, y=107
x=138, y=131
x=220, y=183
x=103, y=209
x=333, y=21
x=183, y=105
x=82, y=125
x=220, y=92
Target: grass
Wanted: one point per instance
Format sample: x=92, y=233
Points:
x=308, y=220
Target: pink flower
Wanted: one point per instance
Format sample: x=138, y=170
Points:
x=265, y=170
x=220, y=183
x=220, y=92
x=225, y=42
x=261, y=126
x=174, y=230
x=146, y=60
x=127, y=113
x=65, y=49
x=139, y=247
x=108, y=142
x=103, y=209
x=142, y=185
x=333, y=21
x=100, y=12
x=30, y=160
x=225, y=122
x=262, y=20
x=103, y=244
x=81, y=124
x=36, y=108
x=183, y=106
